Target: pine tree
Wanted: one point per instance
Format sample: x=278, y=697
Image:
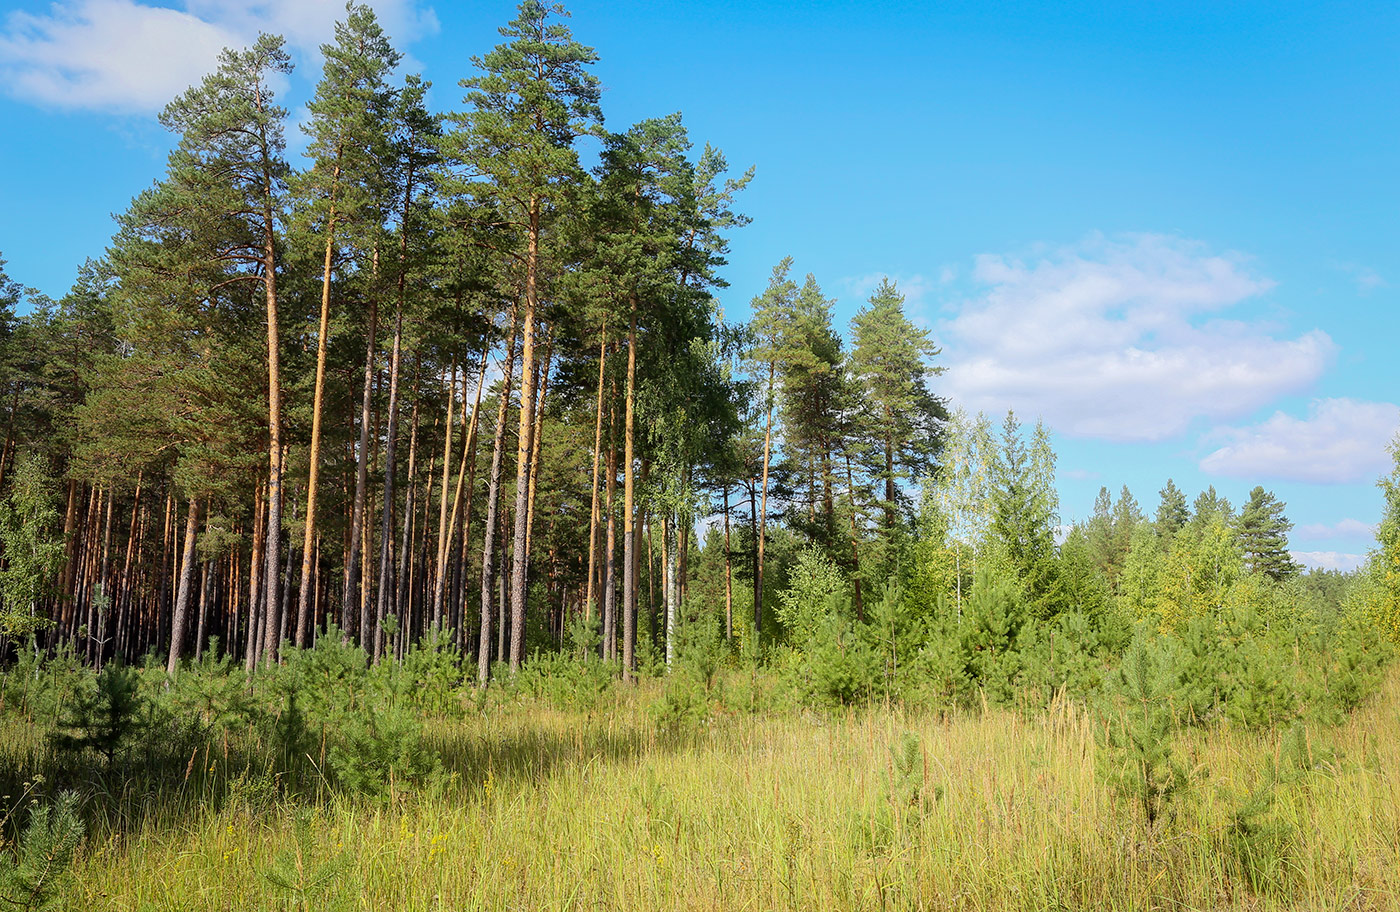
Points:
x=534, y=97
x=224, y=201
x=772, y=317
x=1262, y=532
x=1025, y=514
x=342, y=195
x=33, y=547
x=889, y=363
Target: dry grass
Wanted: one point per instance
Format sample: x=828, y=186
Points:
x=549, y=810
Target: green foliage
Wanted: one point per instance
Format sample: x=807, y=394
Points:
x=431, y=675
x=803, y=606
x=563, y=681
x=30, y=878
x=1260, y=842
x=105, y=715
x=904, y=801
x=32, y=546
x=1262, y=530
x=308, y=875
x=991, y=623
x=213, y=694
x=1141, y=764
x=379, y=750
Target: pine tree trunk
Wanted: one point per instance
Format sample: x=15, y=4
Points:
x=629, y=534
x=591, y=594
x=537, y=438
x=468, y=449
x=855, y=541
x=386, y=521
x=763, y=512
x=350, y=604
x=180, y=620
x=308, y=543
x=403, y=607
x=493, y=498
x=610, y=555
x=520, y=557
x=728, y=573
x=441, y=578
x=274, y=411
x=469, y=458
x=668, y=588
x=255, y=589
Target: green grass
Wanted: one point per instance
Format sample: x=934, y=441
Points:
x=543, y=809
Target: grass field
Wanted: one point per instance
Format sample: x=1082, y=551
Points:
x=991, y=810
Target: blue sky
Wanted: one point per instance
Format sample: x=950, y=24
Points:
x=1170, y=229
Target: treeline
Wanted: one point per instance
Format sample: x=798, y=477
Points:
x=445, y=383
x=444, y=377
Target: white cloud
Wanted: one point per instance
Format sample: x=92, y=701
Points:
x=1346, y=528
x=1329, y=560
x=107, y=54
x=1341, y=441
x=1122, y=340
x=127, y=57
x=1080, y=474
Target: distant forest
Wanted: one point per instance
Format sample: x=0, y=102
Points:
x=440, y=383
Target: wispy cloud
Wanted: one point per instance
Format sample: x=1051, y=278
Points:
x=1329, y=560
x=915, y=287
x=1367, y=279
x=1346, y=528
x=1340, y=441
x=120, y=56
x=1124, y=339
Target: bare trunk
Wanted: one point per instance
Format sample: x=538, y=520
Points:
x=308, y=541
x=182, y=601
x=610, y=555
x=668, y=561
x=763, y=513
x=597, y=460
x=855, y=541
x=520, y=556
x=728, y=573
x=493, y=498
x=441, y=577
x=386, y=522
x=350, y=604
x=629, y=535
